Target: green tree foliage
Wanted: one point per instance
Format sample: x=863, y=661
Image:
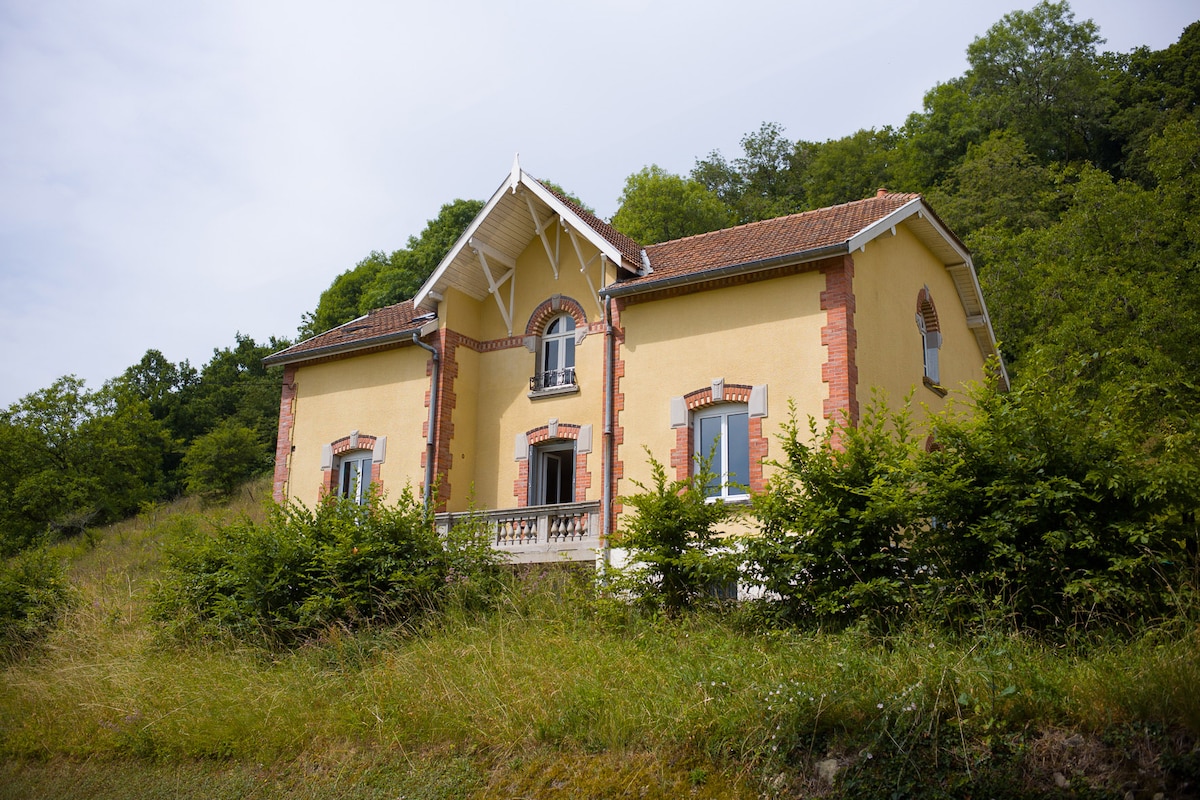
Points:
x=217, y=462
x=762, y=182
x=381, y=279
x=657, y=206
x=303, y=571
x=836, y=520
x=70, y=458
x=850, y=168
x=1037, y=73
x=1045, y=506
x=677, y=558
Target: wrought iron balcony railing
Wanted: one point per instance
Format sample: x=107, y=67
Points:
x=552, y=379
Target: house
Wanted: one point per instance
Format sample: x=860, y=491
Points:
x=548, y=352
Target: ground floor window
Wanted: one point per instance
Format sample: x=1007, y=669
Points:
x=723, y=434
x=553, y=479
x=354, y=476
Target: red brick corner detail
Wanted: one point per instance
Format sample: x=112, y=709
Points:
x=287, y=420
x=840, y=370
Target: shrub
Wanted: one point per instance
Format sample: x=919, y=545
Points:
x=217, y=462
x=835, y=519
x=34, y=592
x=302, y=571
x=677, y=558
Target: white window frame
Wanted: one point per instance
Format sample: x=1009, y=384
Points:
x=350, y=469
x=725, y=490
x=564, y=352
x=538, y=467
x=931, y=343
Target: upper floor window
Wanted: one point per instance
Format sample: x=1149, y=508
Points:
x=556, y=355
x=722, y=433
x=931, y=337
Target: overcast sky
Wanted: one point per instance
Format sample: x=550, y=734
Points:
x=174, y=172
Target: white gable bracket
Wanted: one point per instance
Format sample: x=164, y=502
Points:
x=483, y=251
x=540, y=227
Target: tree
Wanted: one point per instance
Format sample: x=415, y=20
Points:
x=1037, y=72
x=70, y=457
x=657, y=206
x=850, y=168
x=762, y=183
x=217, y=462
x=381, y=279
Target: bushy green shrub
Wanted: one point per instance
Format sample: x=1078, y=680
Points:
x=835, y=520
x=303, y=570
x=1043, y=504
x=220, y=460
x=677, y=557
x=34, y=592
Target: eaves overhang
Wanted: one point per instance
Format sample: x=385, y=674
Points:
x=401, y=337
x=727, y=271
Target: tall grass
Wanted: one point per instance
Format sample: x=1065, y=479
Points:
x=557, y=670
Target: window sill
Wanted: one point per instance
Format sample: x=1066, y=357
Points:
x=936, y=388
x=555, y=391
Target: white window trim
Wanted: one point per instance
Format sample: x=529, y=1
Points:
x=720, y=465
x=360, y=462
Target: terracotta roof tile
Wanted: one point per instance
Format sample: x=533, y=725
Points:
x=381, y=326
x=773, y=238
x=630, y=249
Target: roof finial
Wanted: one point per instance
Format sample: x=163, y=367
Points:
x=514, y=178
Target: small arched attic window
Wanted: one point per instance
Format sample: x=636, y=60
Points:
x=931, y=337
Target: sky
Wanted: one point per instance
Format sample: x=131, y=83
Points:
x=172, y=174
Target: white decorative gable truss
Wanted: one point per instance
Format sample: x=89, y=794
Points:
x=484, y=259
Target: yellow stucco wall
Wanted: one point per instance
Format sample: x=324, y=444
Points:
x=765, y=332
x=887, y=279
x=492, y=389
x=378, y=394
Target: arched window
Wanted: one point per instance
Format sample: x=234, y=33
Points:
x=931, y=336
x=557, y=354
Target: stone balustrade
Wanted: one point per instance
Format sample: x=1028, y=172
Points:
x=535, y=534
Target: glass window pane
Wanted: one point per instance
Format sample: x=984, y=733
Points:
x=738, y=446
x=551, y=360
x=708, y=434
x=553, y=327
x=568, y=353
x=568, y=323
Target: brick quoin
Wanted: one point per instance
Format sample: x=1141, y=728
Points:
x=443, y=459
x=287, y=420
x=683, y=454
x=618, y=405
x=840, y=370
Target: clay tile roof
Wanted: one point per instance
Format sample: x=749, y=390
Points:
x=628, y=247
x=387, y=325
x=769, y=239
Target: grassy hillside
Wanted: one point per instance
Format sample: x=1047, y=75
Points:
x=561, y=694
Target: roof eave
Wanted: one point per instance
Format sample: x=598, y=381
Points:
x=396, y=337
x=642, y=287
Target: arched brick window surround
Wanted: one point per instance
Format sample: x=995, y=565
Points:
x=541, y=435
x=682, y=455
x=927, y=311
x=931, y=340
x=551, y=308
x=329, y=473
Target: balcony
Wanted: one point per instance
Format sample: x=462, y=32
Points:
x=554, y=381
x=539, y=534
